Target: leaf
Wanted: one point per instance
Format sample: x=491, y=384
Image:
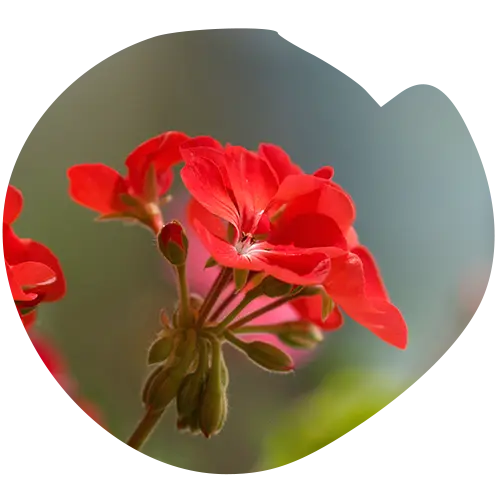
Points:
x=160, y=350
x=211, y=262
x=240, y=277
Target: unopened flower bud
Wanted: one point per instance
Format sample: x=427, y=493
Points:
x=224, y=373
x=300, y=334
x=269, y=357
x=164, y=388
x=188, y=397
x=213, y=409
x=190, y=423
x=146, y=394
x=165, y=385
x=173, y=243
x=273, y=287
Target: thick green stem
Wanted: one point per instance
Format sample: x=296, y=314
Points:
x=144, y=428
x=235, y=341
x=217, y=288
x=259, y=329
x=185, y=309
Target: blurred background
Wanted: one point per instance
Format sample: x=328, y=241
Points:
x=424, y=210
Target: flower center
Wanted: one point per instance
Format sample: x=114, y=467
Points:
x=245, y=244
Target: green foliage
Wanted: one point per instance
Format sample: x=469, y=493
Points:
x=346, y=405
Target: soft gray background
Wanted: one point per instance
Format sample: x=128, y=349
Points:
x=412, y=168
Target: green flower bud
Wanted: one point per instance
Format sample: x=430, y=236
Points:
x=165, y=385
x=188, y=397
x=224, y=373
x=164, y=388
x=300, y=334
x=267, y=356
x=190, y=423
x=146, y=394
x=173, y=243
x=213, y=409
x=273, y=287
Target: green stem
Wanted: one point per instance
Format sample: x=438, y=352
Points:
x=184, y=295
x=263, y=310
x=259, y=329
x=251, y=295
x=217, y=288
x=224, y=304
x=235, y=340
x=144, y=428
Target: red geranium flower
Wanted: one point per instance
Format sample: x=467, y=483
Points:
x=294, y=226
x=34, y=272
x=250, y=212
x=137, y=195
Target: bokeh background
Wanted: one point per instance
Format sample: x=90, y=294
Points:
x=412, y=168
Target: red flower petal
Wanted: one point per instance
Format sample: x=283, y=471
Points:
x=33, y=274
x=309, y=230
x=374, y=286
x=16, y=288
x=211, y=222
x=205, y=181
x=352, y=238
x=253, y=184
x=162, y=152
x=310, y=308
x=98, y=187
x=307, y=193
x=204, y=141
x=294, y=266
x=346, y=278
x=324, y=172
x=355, y=285
x=13, y=205
x=279, y=161
x=18, y=250
x=386, y=321
x=285, y=263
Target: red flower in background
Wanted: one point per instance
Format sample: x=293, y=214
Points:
x=33, y=271
x=55, y=364
x=35, y=276
x=261, y=212
x=137, y=195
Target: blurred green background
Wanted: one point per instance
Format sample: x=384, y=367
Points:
x=423, y=205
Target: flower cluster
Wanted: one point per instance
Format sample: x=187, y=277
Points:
x=35, y=276
x=272, y=231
